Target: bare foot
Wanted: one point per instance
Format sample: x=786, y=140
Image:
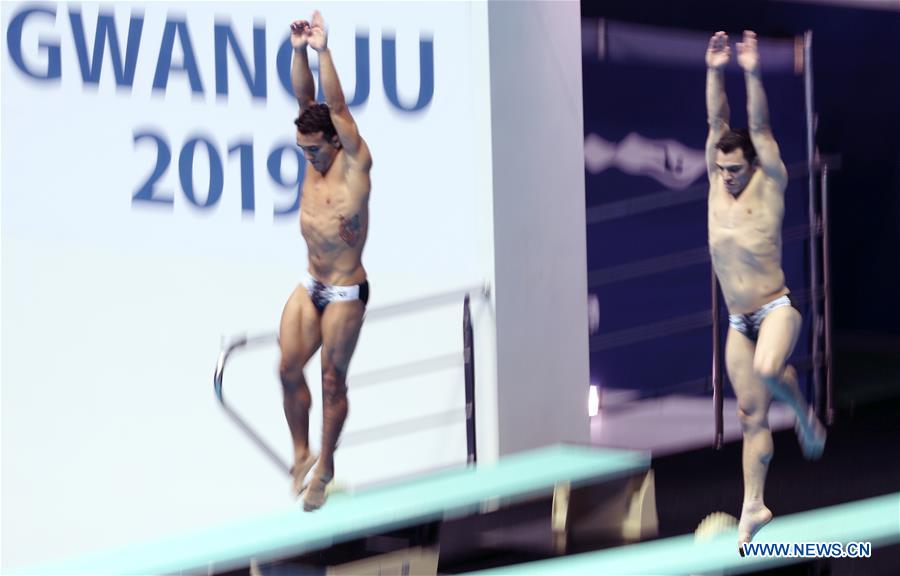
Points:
x=713, y=525
x=753, y=517
x=300, y=469
x=316, y=493
x=811, y=434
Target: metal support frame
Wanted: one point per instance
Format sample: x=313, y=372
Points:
x=243, y=342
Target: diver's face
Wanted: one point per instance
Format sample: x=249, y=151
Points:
x=319, y=152
x=734, y=170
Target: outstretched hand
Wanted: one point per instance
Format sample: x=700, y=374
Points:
x=719, y=52
x=748, y=53
x=317, y=36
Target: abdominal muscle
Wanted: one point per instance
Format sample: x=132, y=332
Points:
x=335, y=235
x=745, y=248
x=747, y=282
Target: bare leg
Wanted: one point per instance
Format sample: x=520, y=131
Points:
x=757, y=453
x=299, y=338
x=297, y=402
x=777, y=337
x=753, y=405
x=334, y=396
x=341, y=323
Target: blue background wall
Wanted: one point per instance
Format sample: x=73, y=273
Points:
x=857, y=91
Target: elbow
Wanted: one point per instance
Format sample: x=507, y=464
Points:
x=717, y=125
x=338, y=107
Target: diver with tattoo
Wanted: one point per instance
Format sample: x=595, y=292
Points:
x=326, y=310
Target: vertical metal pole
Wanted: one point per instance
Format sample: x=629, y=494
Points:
x=816, y=322
x=716, y=364
x=826, y=274
x=469, y=357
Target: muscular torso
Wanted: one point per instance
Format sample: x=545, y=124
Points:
x=334, y=221
x=745, y=242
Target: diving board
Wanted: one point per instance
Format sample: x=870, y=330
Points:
x=346, y=517
x=875, y=520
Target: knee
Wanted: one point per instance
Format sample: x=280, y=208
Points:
x=751, y=415
x=767, y=368
x=291, y=375
x=334, y=386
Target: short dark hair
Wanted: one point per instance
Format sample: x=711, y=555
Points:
x=316, y=118
x=734, y=139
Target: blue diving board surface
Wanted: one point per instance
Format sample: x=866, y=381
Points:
x=875, y=520
x=346, y=516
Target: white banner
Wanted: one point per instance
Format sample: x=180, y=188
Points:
x=150, y=185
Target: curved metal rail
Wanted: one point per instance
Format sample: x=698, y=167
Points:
x=244, y=341
x=235, y=344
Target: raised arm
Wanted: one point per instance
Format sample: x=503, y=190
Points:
x=346, y=127
x=758, y=111
x=717, y=112
x=301, y=76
